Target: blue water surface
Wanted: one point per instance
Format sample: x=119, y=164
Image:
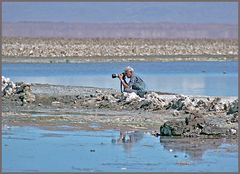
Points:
x=30, y=149
x=190, y=78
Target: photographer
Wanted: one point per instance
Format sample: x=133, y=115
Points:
x=136, y=84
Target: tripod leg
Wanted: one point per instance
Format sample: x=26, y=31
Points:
x=121, y=87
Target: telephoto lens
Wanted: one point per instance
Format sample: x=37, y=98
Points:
x=114, y=76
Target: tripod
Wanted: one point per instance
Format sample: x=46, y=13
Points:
x=124, y=79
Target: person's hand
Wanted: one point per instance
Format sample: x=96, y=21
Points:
x=120, y=76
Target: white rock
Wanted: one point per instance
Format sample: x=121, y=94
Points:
x=7, y=80
x=8, y=87
x=4, y=86
x=233, y=131
x=187, y=101
x=131, y=96
x=3, y=79
x=31, y=52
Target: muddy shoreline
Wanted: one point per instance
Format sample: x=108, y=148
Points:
x=56, y=106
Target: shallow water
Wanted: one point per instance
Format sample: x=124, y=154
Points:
x=189, y=78
x=34, y=149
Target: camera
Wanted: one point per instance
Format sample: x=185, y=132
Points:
x=116, y=75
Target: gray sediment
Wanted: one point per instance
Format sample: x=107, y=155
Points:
x=165, y=114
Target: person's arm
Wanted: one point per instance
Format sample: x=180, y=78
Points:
x=125, y=85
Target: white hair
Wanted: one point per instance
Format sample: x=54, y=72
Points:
x=129, y=68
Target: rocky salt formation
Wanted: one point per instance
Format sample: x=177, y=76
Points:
x=194, y=109
x=177, y=115
x=20, y=91
x=33, y=47
x=153, y=101
x=8, y=87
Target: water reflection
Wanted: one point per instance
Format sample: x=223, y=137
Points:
x=94, y=151
x=128, y=139
x=193, y=147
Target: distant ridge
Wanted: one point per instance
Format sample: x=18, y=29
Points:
x=120, y=30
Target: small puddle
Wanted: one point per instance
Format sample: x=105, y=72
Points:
x=36, y=149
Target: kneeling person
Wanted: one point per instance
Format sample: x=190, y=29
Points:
x=136, y=84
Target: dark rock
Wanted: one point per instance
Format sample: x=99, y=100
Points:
x=201, y=104
x=178, y=104
x=78, y=97
x=172, y=128
x=145, y=104
x=195, y=120
x=193, y=125
x=234, y=119
x=166, y=130
x=233, y=108
x=214, y=105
